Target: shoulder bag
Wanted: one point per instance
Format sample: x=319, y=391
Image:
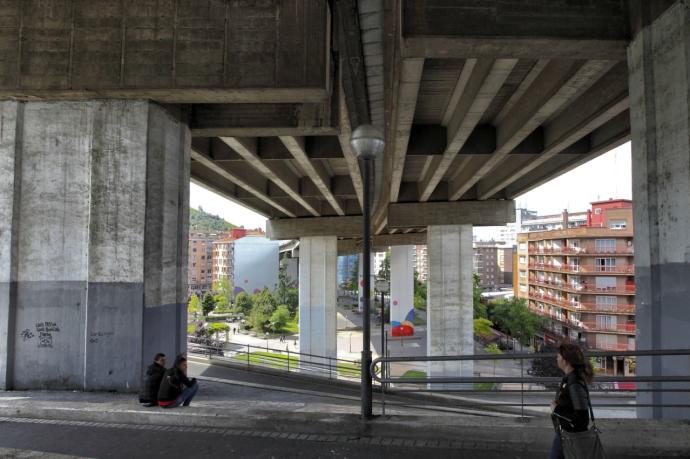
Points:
x=583, y=445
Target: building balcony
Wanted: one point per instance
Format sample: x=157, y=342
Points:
x=592, y=270
x=616, y=347
x=586, y=289
x=627, y=328
x=580, y=251
x=582, y=306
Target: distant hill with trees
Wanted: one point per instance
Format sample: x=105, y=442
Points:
x=207, y=223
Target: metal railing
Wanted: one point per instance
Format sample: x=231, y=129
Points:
x=605, y=386
x=251, y=355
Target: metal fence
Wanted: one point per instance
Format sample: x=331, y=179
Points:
x=251, y=355
x=490, y=391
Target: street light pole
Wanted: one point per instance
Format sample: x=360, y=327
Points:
x=367, y=142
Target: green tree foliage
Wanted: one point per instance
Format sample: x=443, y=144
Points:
x=385, y=271
x=279, y=319
x=482, y=327
x=353, y=284
x=492, y=348
x=420, y=289
x=218, y=327
x=243, y=303
x=285, y=293
x=193, y=306
x=514, y=317
x=207, y=304
x=202, y=221
x=222, y=293
x=479, y=307
x=264, y=306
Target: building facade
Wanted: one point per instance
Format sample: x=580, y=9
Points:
x=199, y=263
x=421, y=262
x=492, y=262
x=223, y=254
x=583, y=280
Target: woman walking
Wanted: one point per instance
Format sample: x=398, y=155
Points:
x=570, y=409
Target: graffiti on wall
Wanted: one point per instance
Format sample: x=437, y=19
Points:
x=45, y=331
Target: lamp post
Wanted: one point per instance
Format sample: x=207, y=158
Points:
x=367, y=142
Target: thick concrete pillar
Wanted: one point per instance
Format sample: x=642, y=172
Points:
x=659, y=65
x=402, y=290
x=449, y=299
x=93, y=241
x=317, y=295
x=360, y=281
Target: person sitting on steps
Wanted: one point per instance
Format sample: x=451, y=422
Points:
x=176, y=389
x=154, y=376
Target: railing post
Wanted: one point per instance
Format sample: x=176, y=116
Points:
x=288, y=360
x=522, y=389
x=330, y=364
x=248, y=346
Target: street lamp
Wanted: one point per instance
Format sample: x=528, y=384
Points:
x=367, y=142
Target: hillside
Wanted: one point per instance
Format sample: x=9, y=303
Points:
x=205, y=222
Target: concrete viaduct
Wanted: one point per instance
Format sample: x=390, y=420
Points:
x=109, y=108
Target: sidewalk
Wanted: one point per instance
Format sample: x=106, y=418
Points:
x=324, y=411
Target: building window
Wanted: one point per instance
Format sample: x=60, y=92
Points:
x=606, y=265
x=203, y=257
x=618, y=224
x=605, y=245
x=523, y=246
x=605, y=283
x=193, y=265
x=606, y=303
x=597, y=211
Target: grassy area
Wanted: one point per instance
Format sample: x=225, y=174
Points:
x=292, y=326
x=422, y=374
x=280, y=361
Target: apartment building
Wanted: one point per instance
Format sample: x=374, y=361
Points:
x=583, y=280
x=493, y=263
x=224, y=259
x=421, y=262
x=199, y=263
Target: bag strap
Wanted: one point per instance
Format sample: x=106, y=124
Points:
x=589, y=403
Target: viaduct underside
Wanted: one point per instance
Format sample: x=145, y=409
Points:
x=108, y=109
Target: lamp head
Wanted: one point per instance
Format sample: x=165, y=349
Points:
x=367, y=141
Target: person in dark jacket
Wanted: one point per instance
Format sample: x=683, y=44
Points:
x=570, y=409
x=176, y=389
x=154, y=376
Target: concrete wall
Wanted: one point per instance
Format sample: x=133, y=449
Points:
x=317, y=295
x=79, y=251
x=659, y=65
x=256, y=264
x=449, y=299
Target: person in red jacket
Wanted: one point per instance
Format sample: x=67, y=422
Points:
x=176, y=389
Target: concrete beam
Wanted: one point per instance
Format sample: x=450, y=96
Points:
x=241, y=181
x=260, y=120
x=294, y=228
x=559, y=83
x=609, y=136
x=349, y=155
x=479, y=82
x=286, y=181
x=176, y=52
x=477, y=213
x=606, y=99
x=313, y=170
x=381, y=242
x=408, y=88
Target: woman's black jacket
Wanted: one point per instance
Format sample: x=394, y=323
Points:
x=572, y=406
x=173, y=382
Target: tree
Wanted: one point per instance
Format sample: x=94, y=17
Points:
x=515, y=318
x=264, y=306
x=479, y=307
x=207, y=304
x=285, y=293
x=385, y=271
x=492, y=348
x=353, y=284
x=217, y=327
x=193, y=306
x=482, y=327
x=222, y=294
x=280, y=318
x=420, y=289
x=243, y=303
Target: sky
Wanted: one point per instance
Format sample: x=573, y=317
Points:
x=608, y=176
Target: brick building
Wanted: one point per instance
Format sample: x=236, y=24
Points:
x=583, y=280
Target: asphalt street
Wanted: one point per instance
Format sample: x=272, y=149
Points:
x=147, y=442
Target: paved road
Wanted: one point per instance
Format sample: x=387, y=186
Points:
x=152, y=442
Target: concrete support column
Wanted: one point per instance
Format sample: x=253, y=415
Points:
x=449, y=299
x=360, y=281
x=402, y=290
x=317, y=295
x=93, y=240
x=659, y=65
